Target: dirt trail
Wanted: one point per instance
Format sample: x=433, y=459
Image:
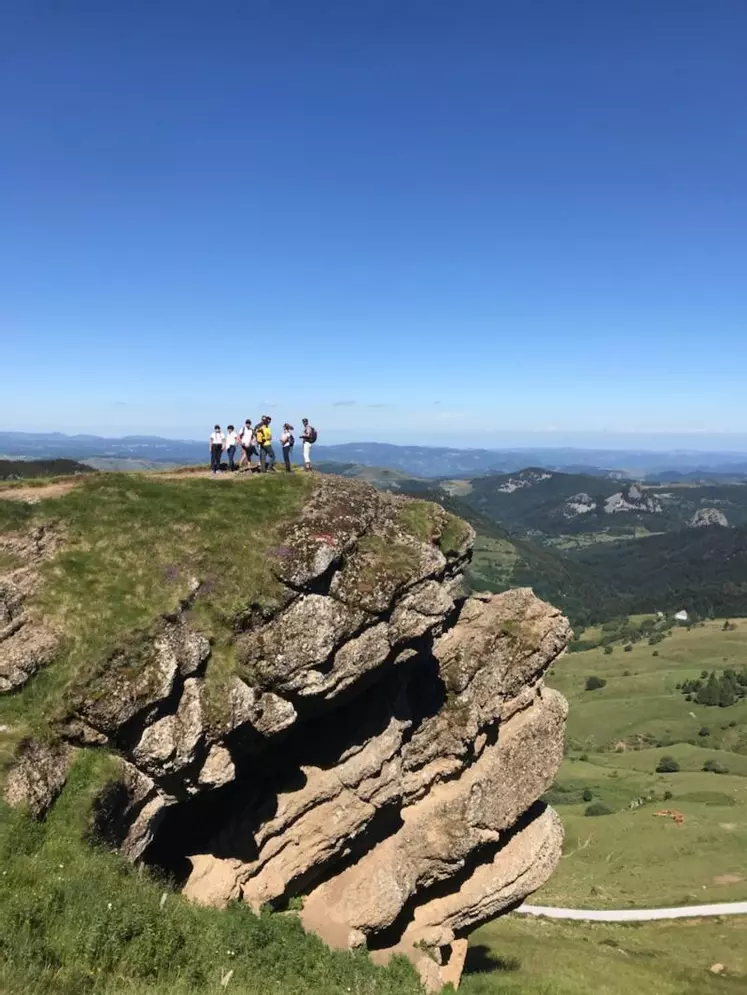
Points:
x=58, y=488
x=45, y=492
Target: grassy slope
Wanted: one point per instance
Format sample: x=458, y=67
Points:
x=530, y=957
x=75, y=919
x=633, y=857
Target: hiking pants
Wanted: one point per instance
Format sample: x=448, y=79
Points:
x=307, y=453
x=216, y=451
x=267, y=456
x=287, y=450
x=231, y=452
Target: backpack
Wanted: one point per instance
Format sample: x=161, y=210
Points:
x=311, y=434
x=291, y=441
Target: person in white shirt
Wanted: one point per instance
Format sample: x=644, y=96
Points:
x=248, y=445
x=287, y=442
x=232, y=444
x=308, y=437
x=217, y=445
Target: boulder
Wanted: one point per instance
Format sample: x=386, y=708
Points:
x=37, y=776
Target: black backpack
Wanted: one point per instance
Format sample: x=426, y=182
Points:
x=291, y=441
x=311, y=434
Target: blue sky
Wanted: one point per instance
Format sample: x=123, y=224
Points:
x=417, y=220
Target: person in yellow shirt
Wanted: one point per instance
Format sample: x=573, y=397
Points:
x=264, y=441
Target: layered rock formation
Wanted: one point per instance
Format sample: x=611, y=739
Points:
x=378, y=747
x=26, y=643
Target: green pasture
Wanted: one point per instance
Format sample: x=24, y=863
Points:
x=520, y=956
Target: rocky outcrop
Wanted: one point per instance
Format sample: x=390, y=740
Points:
x=27, y=643
x=708, y=516
x=37, y=776
x=633, y=498
x=579, y=504
x=377, y=746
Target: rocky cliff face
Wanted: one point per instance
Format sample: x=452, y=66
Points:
x=378, y=747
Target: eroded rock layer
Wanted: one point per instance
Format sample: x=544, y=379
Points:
x=378, y=745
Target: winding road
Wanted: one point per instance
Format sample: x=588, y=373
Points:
x=636, y=915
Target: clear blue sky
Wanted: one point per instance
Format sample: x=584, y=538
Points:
x=411, y=219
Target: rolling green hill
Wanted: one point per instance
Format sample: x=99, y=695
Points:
x=702, y=570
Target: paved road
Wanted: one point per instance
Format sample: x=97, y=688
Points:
x=637, y=915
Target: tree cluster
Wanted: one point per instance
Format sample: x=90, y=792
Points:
x=720, y=690
x=593, y=683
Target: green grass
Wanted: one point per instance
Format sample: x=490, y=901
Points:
x=133, y=547
x=631, y=857
x=520, y=956
x=453, y=535
x=14, y=515
x=492, y=562
x=640, y=704
x=76, y=919
x=634, y=859
x=420, y=519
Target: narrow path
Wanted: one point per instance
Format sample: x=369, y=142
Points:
x=42, y=492
x=636, y=915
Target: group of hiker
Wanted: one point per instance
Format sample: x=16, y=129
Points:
x=257, y=441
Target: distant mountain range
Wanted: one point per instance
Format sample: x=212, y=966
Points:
x=543, y=504
x=415, y=461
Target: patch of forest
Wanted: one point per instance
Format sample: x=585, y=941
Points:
x=24, y=469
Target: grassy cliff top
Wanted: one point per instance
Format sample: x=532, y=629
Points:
x=106, y=556
x=131, y=548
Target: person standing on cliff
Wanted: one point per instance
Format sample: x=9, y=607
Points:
x=264, y=439
x=217, y=445
x=287, y=442
x=232, y=443
x=308, y=437
x=247, y=445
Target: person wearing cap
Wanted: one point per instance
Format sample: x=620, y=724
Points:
x=308, y=437
x=217, y=445
x=264, y=440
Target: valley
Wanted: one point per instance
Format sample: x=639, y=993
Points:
x=598, y=547
x=616, y=737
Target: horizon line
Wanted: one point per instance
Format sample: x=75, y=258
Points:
x=742, y=450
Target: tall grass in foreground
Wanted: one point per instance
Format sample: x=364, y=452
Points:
x=76, y=919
